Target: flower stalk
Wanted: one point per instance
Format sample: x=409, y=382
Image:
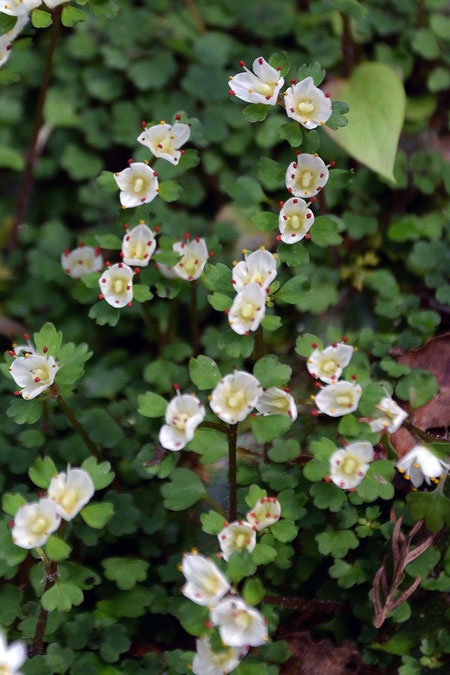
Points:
x=232, y=467
x=78, y=427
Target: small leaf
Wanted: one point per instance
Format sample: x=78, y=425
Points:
x=72, y=15
x=204, y=372
x=57, y=549
x=253, y=591
x=293, y=254
x=61, y=597
x=48, y=337
x=170, y=191
x=109, y=241
x=337, y=118
x=256, y=112
x=219, y=301
x=313, y=70
x=126, y=572
x=41, y=19
x=184, y=489
x=265, y=221
x=101, y=474
x=212, y=522
x=11, y=503
x=141, y=293
x=269, y=427
x=240, y=565
x=104, y=314
x=281, y=62
x=304, y=344
x=42, y=471
x=292, y=133
x=324, y=232
x=293, y=290
x=8, y=22
x=419, y=387
x=106, y=182
x=97, y=515
x=151, y=405
x=271, y=373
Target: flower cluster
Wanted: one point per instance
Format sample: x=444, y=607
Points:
x=32, y=371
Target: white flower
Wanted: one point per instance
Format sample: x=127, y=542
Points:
x=81, y=260
x=259, y=267
x=138, y=185
x=307, y=104
x=138, y=245
x=12, y=657
x=205, y=583
x=166, y=271
x=34, y=523
x=295, y=220
x=208, y=662
x=420, y=464
x=18, y=7
x=236, y=536
x=339, y=399
x=23, y=350
x=34, y=373
x=265, y=513
x=71, y=491
x=183, y=415
x=327, y=365
x=239, y=625
x=116, y=285
x=307, y=176
x=194, y=256
x=54, y=3
x=235, y=396
x=276, y=401
x=261, y=86
x=388, y=416
x=7, y=39
x=349, y=465
x=164, y=140
x=248, y=309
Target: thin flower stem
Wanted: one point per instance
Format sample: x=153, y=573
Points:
x=26, y=183
x=41, y=625
x=215, y=505
x=194, y=319
x=232, y=467
x=419, y=433
x=44, y=558
x=78, y=427
x=332, y=606
x=215, y=425
x=196, y=16
x=258, y=351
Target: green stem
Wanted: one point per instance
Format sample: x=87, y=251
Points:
x=212, y=502
x=24, y=192
x=78, y=427
x=50, y=578
x=232, y=468
x=194, y=319
x=43, y=557
x=196, y=16
x=258, y=350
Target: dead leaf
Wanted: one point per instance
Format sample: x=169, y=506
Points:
x=324, y=657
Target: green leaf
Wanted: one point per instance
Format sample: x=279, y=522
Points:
x=256, y=112
x=337, y=543
x=8, y=22
x=267, y=428
x=114, y=643
x=25, y=412
x=292, y=133
x=97, y=515
x=253, y=591
x=293, y=290
x=340, y=179
x=151, y=405
x=266, y=221
x=217, y=278
x=219, y=301
x=101, y=474
x=48, y=337
x=212, y=445
x=204, y=372
x=184, y=489
x=324, y=232
x=281, y=62
x=10, y=600
x=11, y=503
x=271, y=373
x=433, y=507
x=61, y=597
x=377, y=482
x=254, y=494
x=106, y=182
x=11, y=159
x=169, y=258
x=348, y=426
x=313, y=70
x=72, y=15
x=142, y=293
x=129, y=604
x=263, y=554
x=170, y=191
x=271, y=174
x=271, y=322
x=57, y=549
x=42, y=471
x=126, y=572
x=419, y=387
x=284, y=450
x=240, y=565
x=212, y=522
x=425, y=563
x=327, y=496
x=104, y=314
x=347, y=575
x=284, y=530
x=41, y=19
x=337, y=118
x=235, y=345
x=109, y=241
x=304, y=344
x=372, y=89
x=425, y=321
x=293, y=254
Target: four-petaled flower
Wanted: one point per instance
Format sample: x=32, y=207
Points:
x=420, y=464
x=183, y=415
x=237, y=536
x=349, y=465
x=71, y=491
x=34, y=523
x=81, y=260
x=261, y=86
x=259, y=267
x=138, y=185
x=266, y=512
x=34, y=373
x=12, y=657
x=165, y=140
x=306, y=176
x=388, y=416
x=339, y=399
x=239, y=625
x=235, y=396
x=248, y=309
x=307, y=104
x=138, y=245
x=194, y=255
x=116, y=285
x=209, y=662
x=327, y=364
x=205, y=583
x=276, y=401
x=295, y=220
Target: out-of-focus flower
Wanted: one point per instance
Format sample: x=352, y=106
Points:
x=349, y=465
x=259, y=267
x=276, y=401
x=307, y=176
x=239, y=625
x=138, y=245
x=12, y=657
x=339, y=399
x=165, y=140
x=295, y=220
x=307, y=104
x=194, y=255
x=261, y=86
x=388, y=416
x=265, y=513
x=327, y=365
x=116, y=285
x=8, y=38
x=34, y=523
x=248, y=309
x=183, y=415
x=237, y=536
x=138, y=185
x=205, y=583
x=34, y=373
x=71, y=491
x=81, y=260
x=208, y=662
x=420, y=464
x=235, y=396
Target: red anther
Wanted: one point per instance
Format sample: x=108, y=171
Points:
x=41, y=494
x=98, y=250
x=160, y=145
x=313, y=375
x=293, y=81
x=351, y=489
x=285, y=217
x=268, y=291
x=157, y=229
x=128, y=288
x=137, y=270
x=107, y=263
x=37, y=379
x=13, y=353
x=345, y=338
x=287, y=390
x=195, y=262
x=178, y=117
x=226, y=523
x=211, y=253
x=11, y=524
x=298, y=152
x=278, y=237
x=129, y=304
x=281, y=204
x=314, y=345
x=312, y=200
x=122, y=255
x=317, y=384
x=127, y=238
x=187, y=235
x=208, y=624
x=260, y=61
x=231, y=92
x=226, y=311
x=280, y=68
x=292, y=175
x=344, y=441
x=17, y=393
x=327, y=479
x=176, y=386
x=332, y=163
x=319, y=187
x=334, y=344
x=67, y=269
x=101, y=297
x=8, y=47
x=295, y=201
x=155, y=173
x=308, y=215
x=26, y=336
x=322, y=175
x=120, y=265
x=182, y=152
x=130, y=161
x=307, y=236
x=143, y=199
x=242, y=64
x=247, y=333
x=289, y=189
x=126, y=226
x=327, y=95
x=354, y=377
x=81, y=244
x=144, y=124
x=197, y=239
x=262, y=500
x=66, y=251
x=268, y=98
x=240, y=522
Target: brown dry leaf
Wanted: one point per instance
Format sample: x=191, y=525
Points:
x=311, y=658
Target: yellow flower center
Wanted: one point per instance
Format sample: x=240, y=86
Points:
x=344, y=399
x=138, y=185
x=218, y=658
x=295, y=223
x=306, y=178
x=350, y=465
x=211, y=584
x=138, y=250
x=69, y=500
x=243, y=619
x=4, y=670
x=305, y=106
x=235, y=399
x=264, y=88
x=328, y=366
x=240, y=540
x=190, y=266
x=181, y=423
x=247, y=310
x=118, y=285
x=42, y=373
x=39, y=525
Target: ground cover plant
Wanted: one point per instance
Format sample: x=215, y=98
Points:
x=224, y=318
